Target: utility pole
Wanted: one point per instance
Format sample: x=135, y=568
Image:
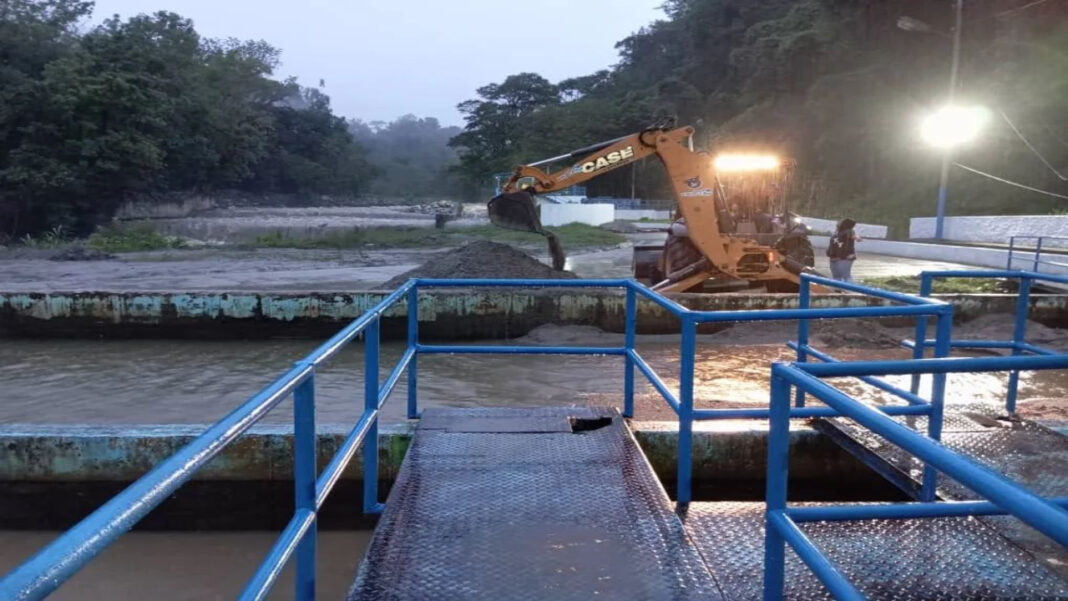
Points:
x=947, y=156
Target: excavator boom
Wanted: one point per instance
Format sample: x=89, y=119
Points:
x=699, y=198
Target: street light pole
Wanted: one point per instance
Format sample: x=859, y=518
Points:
x=947, y=156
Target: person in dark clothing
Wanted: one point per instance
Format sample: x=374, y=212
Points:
x=842, y=250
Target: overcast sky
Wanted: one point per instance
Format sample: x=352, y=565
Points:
x=385, y=58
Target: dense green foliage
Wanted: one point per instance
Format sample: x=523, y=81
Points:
x=911, y=285
x=411, y=156
x=835, y=84
x=147, y=105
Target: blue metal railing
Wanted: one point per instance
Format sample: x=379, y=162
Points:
x=63, y=557
x=1034, y=256
x=1018, y=345
x=911, y=306
x=57, y=562
x=1004, y=497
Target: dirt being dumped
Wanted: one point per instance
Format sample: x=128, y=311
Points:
x=482, y=259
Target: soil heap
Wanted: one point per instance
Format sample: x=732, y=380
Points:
x=482, y=259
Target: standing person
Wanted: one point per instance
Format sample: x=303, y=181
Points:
x=842, y=250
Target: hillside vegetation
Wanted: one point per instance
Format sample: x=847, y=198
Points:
x=834, y=84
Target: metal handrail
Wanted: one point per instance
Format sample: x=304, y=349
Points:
x=50, y=567
x=1036, y=258
x=1018, y=345
x=62, y=558
x=1004, y=496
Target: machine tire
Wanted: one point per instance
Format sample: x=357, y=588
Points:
x=797, y=254
x=781, y=287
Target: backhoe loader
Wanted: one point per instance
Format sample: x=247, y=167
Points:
x=731, y=227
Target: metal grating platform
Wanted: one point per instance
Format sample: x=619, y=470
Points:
x=511, y=504
x=1027, y=453
x=888, y=560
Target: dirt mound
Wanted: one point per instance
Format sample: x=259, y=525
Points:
x=855, y=333
x=482, y=259
x=999, y=326
x=557, y=335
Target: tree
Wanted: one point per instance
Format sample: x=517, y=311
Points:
x=311, y=149
x=411, y=155
x=834, y=84
x=494, y=126
x=146, y=105
x=33, y=34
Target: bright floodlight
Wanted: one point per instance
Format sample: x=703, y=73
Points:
x=951, y=126
x=746, y=162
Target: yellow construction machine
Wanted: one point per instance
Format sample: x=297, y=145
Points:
x=731, y=226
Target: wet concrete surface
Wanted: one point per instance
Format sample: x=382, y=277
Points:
x=211, y=269
x=189, y=566
x=245, y=224
x=315, y=270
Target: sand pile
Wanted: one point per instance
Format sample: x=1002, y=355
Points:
x=482, y=259
x=999, y=326
x=855, y=333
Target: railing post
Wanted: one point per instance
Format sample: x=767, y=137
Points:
x=630, y=319
x=943, y=332
x=413, y=340
x=370, y=404
x=304, y=476
x=777, y=478
x=687, y=352
x=1019, y=334
x=1012, y=247
x=920, y=336
x=1038, y=253
x=804, y=302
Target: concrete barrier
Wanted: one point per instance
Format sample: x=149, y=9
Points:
x=865, y=230
x=563, y=214
x=639, y=214
x=976, y=256
x=51, y=476
x=443, y=314
x=990, y=228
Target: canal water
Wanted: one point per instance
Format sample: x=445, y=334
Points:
x=190, y=566
x=176, y=381
x=173, y=381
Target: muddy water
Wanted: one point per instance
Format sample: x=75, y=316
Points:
x=198, y=382
x=189, y=566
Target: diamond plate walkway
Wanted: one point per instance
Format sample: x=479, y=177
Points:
x=514, y=504
x=1027, y=453
x=560, y=504
x=959, y=559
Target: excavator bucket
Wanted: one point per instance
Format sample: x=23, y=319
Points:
x=516, y=211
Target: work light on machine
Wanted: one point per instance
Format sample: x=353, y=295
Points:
x=746, y=162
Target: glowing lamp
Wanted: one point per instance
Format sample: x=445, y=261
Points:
x=952, y=126
x=746, y=162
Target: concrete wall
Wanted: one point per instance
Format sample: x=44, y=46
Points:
x=990, y=228
x=865, y=230
x=52, y=476
x=450, y=315
x=590, y=214
x=637, y=214
x=967, y=255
